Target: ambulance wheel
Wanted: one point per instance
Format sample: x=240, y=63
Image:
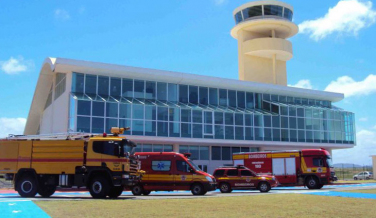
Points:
x=225, y=188
x=312, y=183
x=197, y=189
x=146, y=192
x=137, y=190
x=27, y=186
x=46, y=190
x=264, y=187
x=116, y=191
x=99, y=187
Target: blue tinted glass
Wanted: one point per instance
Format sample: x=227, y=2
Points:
x=97, y=125
x=137, y=127
x=162, y=128
x=78, y=81
x=267, y=121
x=139, y=87
x=197, y=116
x=174, y=129
x=248, y=133
x=248, y=120
x=239, y=133
x=241, y=99
x=150, y=112
x=252, y=12
x=112, y=109
x=83, y=124
x=193, y=94
x=229, y=118
x=150, y=90
x=162, y=91
x=275, y=10
x=276, y=135
x=226, y=153
x=218, y=118
x=103, y=85
x=83, y=107
x=204, y=97
x=232, y=98
x=186, y=130
x=173, y=92
x=125, y=110
x=204, y=152
x=258, y=120
x=213, y=96
x=90, y=84
x=138, y=111
x=238, y=17
x=223, y=97
x=174, y=114
x=183, y=93
x=218, y=131
x=197, y=130
x=162, y=113
x=239, y=119
x=287, y=14
x=185, y=115
x=115, y=89
x=111, y=123
x=125, y=123
x=98, y=109
x=267, y=134
x=127, y=88
x=229, y=132
x=150, y=128
x=216, y=153
x=250, y=100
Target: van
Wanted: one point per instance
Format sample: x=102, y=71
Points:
x=169, y=171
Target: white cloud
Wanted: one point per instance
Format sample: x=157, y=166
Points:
x=15, y=65
x=347, y=17
x=220, y=2
x=62, y=14
x=363, y=119
x=366, y=146
x=304, y=83
x=11, y=126
x=350, y=87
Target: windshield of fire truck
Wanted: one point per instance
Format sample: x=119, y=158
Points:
x=329, y=161
x=195, y=167
x=129, y=146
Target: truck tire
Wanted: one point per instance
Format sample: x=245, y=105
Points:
x=197, y=189
x=46, y=190
x=146, y=192
x=264, y=187
x=137, y=190
x=99, y=187
x=116, y=191
x=27, y=186
x=312, y=183
x=225, y=187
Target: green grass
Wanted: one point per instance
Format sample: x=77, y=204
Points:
x=267, y=205
x=369, y=191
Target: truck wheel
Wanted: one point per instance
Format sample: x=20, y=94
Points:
x=99, y=187
x=146, y=192
x=264, y=187
x=46, y=190
x=225, y=188
x=137, y=190
x=197, y=189
x=27, y=186
x=312, y=183
x=116, y=191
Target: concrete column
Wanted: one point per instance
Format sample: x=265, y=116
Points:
x=374, y=165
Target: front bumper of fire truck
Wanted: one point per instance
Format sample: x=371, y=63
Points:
x=129, y=180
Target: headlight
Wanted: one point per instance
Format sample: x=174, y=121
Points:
x=209, y=178
x=125, y=176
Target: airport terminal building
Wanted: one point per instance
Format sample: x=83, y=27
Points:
x=209, y=117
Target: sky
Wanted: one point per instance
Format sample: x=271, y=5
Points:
x=333, y=51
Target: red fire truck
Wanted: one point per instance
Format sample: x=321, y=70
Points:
x=309, y=167
x=169, y=171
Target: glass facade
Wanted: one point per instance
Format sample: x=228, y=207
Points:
x=182, y=110
x=263, y=11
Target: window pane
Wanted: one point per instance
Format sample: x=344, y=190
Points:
x=226, y=153
x=232, y=98
x=249, y=100
x=162, y=113
x=197, y=116
x=174, y=114
x=248, y=133
x=292, y=122
x=194, y=150
x=285, y=135
x=258, y=120
x=239, y=133
x=83, y=124
x=78, y=82
x=235, y=150
x=186, y=130
x=125, y=123
x=150, y=128
x=213, y=96
x=125, y=110
x=167, y=148
x=147, y=148
x=162, y=128
x=150, y=90
x=219, y=132
x=183, y=93
x=300, y=112
x=162, y=91
x=161, y=165
x=103, y=85
x=111, y=123
x=229, y=118
x=157, y=148
x=293, y=136
x=229, y=132
x=267, y=121
x=287, y=14
x=300, y=123
x=284, y=111
x=301, y=136
x=275, y=121
x=204, y=95
x=216, y=153
x=97, y=125
x=193, y=94
x=138, y=111
x=91, y=84
x=267, y=134
x=248, y=119
x=252, y=12
x=292, y=111
x=115, y=89
x=150, y=112
x=197, y=131
x=127, y=88
x=241, y=99
x=174, y=129
x=173, y=92
x=83, y=107
x=139, y=87
x=98, y=109
x=223, y=97
x=111, y=109
x=238, y=17
x=239, y=120
x=185, y=115
x=273, y=10
x=218, y=118
x=285, y=122
x=204, y=152
x=259, y=134
x=276, y=135
x=137, y=127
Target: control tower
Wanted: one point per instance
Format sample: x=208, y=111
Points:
x=262, y=29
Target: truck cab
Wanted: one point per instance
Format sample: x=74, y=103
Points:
x=169, y=171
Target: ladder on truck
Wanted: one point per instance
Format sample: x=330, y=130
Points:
x=55, y=136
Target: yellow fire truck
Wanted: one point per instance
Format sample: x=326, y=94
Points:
x=104, y=164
